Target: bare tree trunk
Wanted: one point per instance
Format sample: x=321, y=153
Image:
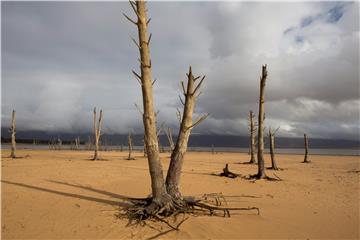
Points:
x=272, y=152
x=306, y=143
x=159, y=194
x=252, y=129
x=97, y=133
x=59, y=143
x=212, y=149
x=130, y=147
x=170, y=139
x=261, y=165
x=13, y=132
x=187, y=124
x=144, y=146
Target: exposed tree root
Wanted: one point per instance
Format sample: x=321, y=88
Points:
x=275, y=169
x=146, y=209
x=131, y=158
x=256, y=177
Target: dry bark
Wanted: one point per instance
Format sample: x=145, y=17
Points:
x=97, y=133
x=306, y=145
x=13, y=132
x=159, y=194
x=252, y=129
x=130, y=144
x=187, y=124
x=261, y=118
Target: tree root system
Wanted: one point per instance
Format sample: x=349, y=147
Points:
x=141, y=211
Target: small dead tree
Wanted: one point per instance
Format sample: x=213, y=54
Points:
x=261, y=118
x=59, y=143
x=227, y=173
x=130, y=144
x=97, y=133
x=170, y=139
x=144, y=148
x=187, y=124
x=13, y=132
x=306, y=145
x=252, y=130
x=272, y=146
x=77, y=143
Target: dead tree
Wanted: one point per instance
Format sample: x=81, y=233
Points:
x=252, y=129
x=97, y=133
x=261, y=118
x=59, y=143
x=161, y=204
x=272, y=152
x=13, y=132
x=187, y=124
x=144, y=148
x=170, y=139
x=306, y=145
x=227, y=173
x=160, y=198
x=77, y=143
x=130, y=144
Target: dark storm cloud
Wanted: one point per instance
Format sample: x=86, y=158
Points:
x=60, y=59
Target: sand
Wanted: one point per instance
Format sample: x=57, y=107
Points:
x=63, y=195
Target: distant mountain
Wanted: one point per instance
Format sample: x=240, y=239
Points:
x=195, y=140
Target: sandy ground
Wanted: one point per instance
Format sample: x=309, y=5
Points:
x=63, y=195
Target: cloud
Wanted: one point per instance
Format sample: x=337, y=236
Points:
x=60, y=59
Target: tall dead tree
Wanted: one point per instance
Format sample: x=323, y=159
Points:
x=272, y=152
x=130, y=144
x=261, y=118
x=159, y=194
x=97, y=132
x=187, y=124
x=162, y=204
x=306, y=145
x=170, y=139
x=13, y=132
x=252, y=130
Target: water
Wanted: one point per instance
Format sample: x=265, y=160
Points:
x=312, y=151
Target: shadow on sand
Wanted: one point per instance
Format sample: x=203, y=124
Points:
x=126, y=201
x=73, y=195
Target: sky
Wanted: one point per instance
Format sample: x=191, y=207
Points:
x=61, y=59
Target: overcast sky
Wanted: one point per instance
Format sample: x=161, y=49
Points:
x=60, y=59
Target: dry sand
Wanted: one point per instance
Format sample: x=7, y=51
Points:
x=63, y=195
